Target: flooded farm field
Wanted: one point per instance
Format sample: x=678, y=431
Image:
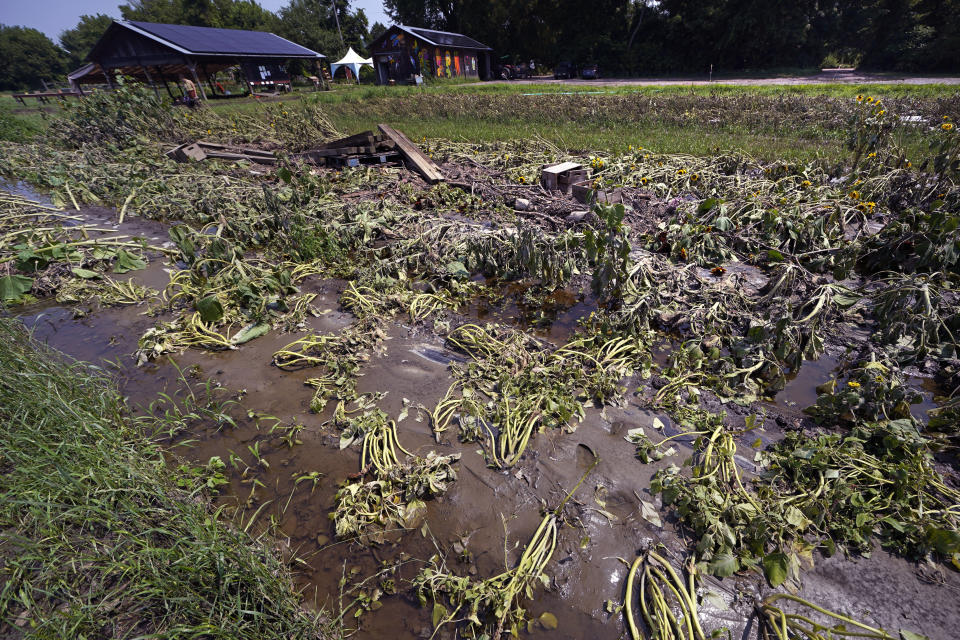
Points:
x=713, y=407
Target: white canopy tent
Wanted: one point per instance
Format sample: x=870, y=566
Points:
x=353, y=61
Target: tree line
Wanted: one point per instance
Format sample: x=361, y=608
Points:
x=639, y=37
x=28, y=56
x=688, y=36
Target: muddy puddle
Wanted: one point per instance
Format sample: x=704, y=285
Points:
x=483, y=522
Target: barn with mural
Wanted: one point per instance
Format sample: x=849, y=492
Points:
x=402, y=53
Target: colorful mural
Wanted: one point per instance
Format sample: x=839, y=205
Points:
x=402, y=56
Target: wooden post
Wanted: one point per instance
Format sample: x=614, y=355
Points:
x=146, y=72
x=165, y=85
x=196, y=80
x=107, y=76
x=213, y=90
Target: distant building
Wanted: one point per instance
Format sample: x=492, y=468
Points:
x=158, y=53
x=404, y=52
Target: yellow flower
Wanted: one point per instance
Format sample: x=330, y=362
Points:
x=946, y=126
x=872, y=154
x=694, y=177
x=909, y=164
x=522, y=180
x=681, y=171
x=881, y=112
x=853, y=385
x=633, y=167
x=869, y=99
x=860, y=98
x=806, y=183
x=854, y=195
x=209, y=131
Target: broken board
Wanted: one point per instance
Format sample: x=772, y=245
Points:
x=412, y=154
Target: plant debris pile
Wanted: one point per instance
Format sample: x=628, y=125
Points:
x=706, y=283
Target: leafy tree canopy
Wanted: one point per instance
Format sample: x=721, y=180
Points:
x=27, y=56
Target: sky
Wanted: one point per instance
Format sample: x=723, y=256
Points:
x=55, y=16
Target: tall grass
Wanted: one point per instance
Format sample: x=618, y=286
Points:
x=97, y=541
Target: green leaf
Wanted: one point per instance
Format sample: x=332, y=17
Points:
x=910, y=635
x=775, y=568
x=249, y=332
x=12, y=287
x=723, y=565
x=548, y=620
x=128, y=262
x=284, y=174
x=439, y=614
x=210, y=309
x=796, y=518
x=457, y=269
x=944, y=541
x=86, y=274
x=774, y=256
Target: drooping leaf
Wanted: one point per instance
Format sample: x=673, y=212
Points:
x=210, y=309
x=548, y=620
x=775, y=568
x=86, y=274
x=650, y=514
x=128, y=262
x=250, y=332
x=723, y=565
x=439, y=614
x=12, y=287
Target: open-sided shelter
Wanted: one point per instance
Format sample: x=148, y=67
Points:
x=352, y=61
x=404, y=52
x=158, y=53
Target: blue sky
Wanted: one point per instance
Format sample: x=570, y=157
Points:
x=54, y=16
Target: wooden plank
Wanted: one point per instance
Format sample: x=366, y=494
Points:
x=360, y=139
x=563, y=167
x=411, y=152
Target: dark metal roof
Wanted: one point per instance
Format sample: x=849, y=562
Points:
x=444, y=38
x=211, y=41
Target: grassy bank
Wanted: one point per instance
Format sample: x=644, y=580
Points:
x=773, y=122
x=97, y=541
x=795, y=123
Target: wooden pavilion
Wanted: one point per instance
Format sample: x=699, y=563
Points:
x=157, y=53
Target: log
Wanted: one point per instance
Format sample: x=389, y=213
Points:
x=411, y=152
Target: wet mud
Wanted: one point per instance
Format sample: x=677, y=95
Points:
x=488, y=514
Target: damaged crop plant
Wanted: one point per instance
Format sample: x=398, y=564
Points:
x=702, y=285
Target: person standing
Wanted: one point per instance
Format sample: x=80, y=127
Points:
x=189, y=90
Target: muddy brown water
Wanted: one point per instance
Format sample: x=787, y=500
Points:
x=493, y=513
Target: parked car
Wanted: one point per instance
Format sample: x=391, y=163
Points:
x=564, y=70
x=590, y=72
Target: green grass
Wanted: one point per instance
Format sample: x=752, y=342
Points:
x=804, y=122
x=97, y=541
x=19, y=123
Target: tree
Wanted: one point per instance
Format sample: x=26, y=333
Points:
x=27, y=56
x=376, y=31
x=80, y=40
x=311, y=23
x=226, y=14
